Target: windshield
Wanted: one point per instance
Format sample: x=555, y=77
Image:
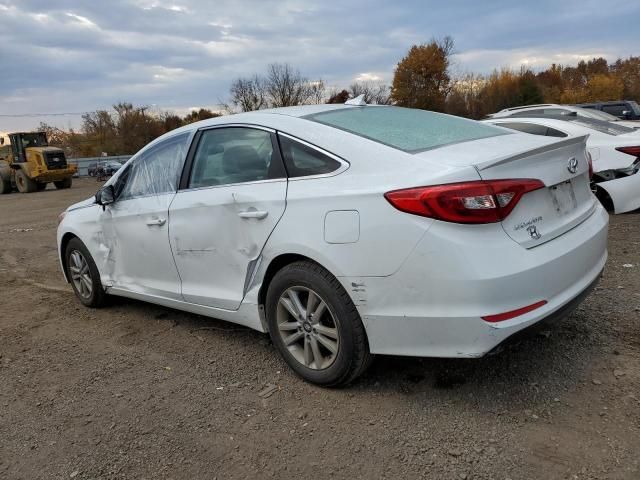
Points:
x=37, y=139
x=635, y=107
x=406, y=129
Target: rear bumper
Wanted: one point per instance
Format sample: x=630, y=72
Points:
x=432, y=307
x=560, y=314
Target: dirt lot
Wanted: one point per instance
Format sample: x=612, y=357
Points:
x=139, y=391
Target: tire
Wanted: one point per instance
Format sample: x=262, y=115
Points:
x=5, y=186
x=66, y=183
x=24, y=183
x=336, y=336
x=41, y=186
x=83, y=274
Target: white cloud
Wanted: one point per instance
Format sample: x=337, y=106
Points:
x=484, y=61
x=84, y=21
x=368, y=77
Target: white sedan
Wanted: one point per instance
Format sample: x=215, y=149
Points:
x=346, y=231
x=615, y=151
x=554, y=109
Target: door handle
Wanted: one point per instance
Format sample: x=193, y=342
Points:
x=157, y=222
x=257, y=214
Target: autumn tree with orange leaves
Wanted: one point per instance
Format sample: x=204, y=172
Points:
x=421, y=79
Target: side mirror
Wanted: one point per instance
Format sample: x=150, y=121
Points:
x=105, y=196
x=626, y=113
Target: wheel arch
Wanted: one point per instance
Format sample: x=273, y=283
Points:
x=275, y=265
x=64, y=241
x=605, y=198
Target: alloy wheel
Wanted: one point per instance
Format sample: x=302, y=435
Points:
x=80, y=274
x=308, y=328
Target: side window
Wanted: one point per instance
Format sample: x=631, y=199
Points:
x=234, y=155
x=532, y=128
x=301, y=160
x=614, y=109
x=552, y=132
x=157, y=170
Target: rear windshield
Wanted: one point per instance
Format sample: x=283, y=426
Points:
x=404, y=128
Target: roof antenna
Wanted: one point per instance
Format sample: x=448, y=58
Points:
x=359, y=101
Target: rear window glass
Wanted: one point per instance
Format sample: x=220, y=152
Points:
x=406, y=129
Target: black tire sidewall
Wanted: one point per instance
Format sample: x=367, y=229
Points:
x=298, y=275
x=97, y=292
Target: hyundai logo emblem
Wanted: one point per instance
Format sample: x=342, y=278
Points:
x=572, y=165
x=533, y=232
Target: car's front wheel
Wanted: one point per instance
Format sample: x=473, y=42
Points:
x=315, y=325
x=83, y=274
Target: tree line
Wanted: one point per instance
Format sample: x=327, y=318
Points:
x=123, y=130
x=424, y=78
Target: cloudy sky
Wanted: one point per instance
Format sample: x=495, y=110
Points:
x=66, y=56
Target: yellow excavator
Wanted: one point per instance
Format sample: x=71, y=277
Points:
x=28, y=163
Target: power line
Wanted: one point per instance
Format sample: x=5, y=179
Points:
x=17, y=115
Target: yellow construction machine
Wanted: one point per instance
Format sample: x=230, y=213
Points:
x=28, y=163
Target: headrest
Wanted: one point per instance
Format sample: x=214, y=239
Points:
x=241, y=158
x=214, y=148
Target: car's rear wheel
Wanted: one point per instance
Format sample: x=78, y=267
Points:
x=83, y=274
x=24, y=183
x=315, y=325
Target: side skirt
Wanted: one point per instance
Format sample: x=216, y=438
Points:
x=247, y=315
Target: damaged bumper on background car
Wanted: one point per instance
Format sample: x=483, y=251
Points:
x=622, y=186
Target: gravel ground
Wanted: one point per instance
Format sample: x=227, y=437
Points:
x=139, y=391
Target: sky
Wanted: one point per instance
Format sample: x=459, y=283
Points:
x=71, y=56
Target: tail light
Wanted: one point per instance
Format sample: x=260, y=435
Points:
x=468, y=202
x=635, y=151
x=590, y=162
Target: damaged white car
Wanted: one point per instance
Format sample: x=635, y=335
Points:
x=346, y=231
x=614, y=149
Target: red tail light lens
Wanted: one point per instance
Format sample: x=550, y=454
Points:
x=469, y=202
x=590, y=162
x=635, y=151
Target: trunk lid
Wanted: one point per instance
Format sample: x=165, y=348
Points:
x=565, y=202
